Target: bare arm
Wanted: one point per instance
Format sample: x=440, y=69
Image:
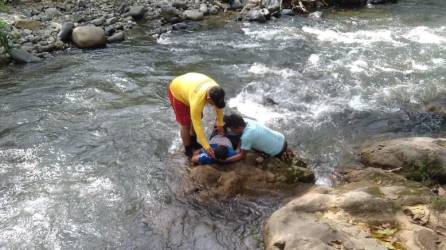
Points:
x=238, y=157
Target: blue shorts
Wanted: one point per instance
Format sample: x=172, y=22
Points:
x=204, y=158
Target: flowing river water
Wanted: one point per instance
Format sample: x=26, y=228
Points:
x=88, y=142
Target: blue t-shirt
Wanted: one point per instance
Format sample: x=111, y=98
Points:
x=258, y=137
x=204, y=158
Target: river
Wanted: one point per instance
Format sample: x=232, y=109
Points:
x=89, y=147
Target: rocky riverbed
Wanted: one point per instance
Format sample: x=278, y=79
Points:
x=40, y=28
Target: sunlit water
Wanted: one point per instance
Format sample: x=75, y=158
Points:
x=87, y=139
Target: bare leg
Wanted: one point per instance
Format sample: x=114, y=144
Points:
x=185, y=135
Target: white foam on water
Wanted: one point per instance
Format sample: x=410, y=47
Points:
x=358, y=66
x=424, y=35
x=249, y=105
x=261, y=69
x=122, y=83
x=164, y=39
x=314, y=59
x=363, y=37
x=439, y=61
x=357, y=103
x=274, y=33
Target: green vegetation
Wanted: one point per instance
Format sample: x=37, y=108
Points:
x=3, y=7
x=4, y=36
x=439, y=203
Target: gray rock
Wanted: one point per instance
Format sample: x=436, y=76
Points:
x=204, y=8
x=194, y=15
x=65, y=32
x=98, y=21
x=170, y=14
x=180, y=26
x=22, y=56
x=179, y=5
x=213, y=10
x=109, y=30
x=271, y=5
x=52, y=13
x=89, y=37
x=116, y=38
x=287, y=12
x=137, y=12
x=255, y=15
x=111, y=20
x=236, y=4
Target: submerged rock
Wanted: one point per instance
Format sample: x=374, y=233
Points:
x=22, y=56
x=417, y=158
x=89, y=37
x=374, y=209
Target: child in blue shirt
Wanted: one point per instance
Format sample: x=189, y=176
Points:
x=222, y=147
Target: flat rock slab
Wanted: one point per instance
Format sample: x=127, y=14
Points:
x=417, y=158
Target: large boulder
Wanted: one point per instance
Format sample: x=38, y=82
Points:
x=370, y=212
x=417, y=158
x=89, y=37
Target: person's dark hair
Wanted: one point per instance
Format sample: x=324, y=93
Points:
x=221, y=152
x=217, y=95
x=234, y=121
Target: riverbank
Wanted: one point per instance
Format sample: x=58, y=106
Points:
x=38, y=29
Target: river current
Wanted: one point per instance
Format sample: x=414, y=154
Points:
x=89, y=146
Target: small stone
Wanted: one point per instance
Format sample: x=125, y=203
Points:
x=179, y=5
x=204, y=8
x=194, y=15
x=137, y=12
x=111, y=20
x=213, y=10
x=98, y=21
x=117, y=37
x=52, y=13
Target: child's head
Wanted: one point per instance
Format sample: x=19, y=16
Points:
x=221, y=152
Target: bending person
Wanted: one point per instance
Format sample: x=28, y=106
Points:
x=188, y=94
x=258, y=137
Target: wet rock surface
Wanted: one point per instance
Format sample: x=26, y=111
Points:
x=251, y=177
x=417, y=158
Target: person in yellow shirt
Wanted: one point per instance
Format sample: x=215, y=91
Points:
x=188, y=94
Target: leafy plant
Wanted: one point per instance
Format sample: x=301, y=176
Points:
x=4, y=36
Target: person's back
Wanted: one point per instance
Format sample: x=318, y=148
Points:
x=261, y=138
x=191, y=86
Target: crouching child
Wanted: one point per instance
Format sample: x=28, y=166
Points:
x=256, y=136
